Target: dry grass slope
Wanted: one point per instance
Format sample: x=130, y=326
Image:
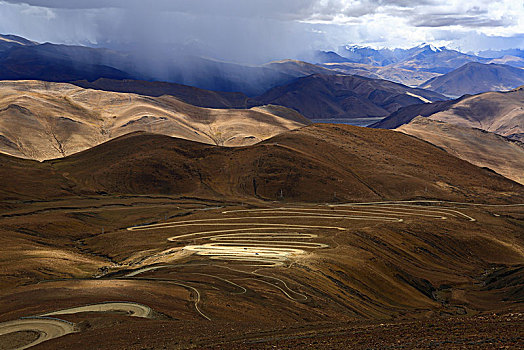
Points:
x=42, y=120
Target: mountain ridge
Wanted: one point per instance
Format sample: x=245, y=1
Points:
x=339, y=163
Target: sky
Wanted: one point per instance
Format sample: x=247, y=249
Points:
x=255, y=31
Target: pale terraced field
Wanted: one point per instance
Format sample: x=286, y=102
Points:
x=247, y=244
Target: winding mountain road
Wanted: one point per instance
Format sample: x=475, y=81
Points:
x=48, y=327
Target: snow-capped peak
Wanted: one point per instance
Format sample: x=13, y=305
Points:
x=430, y=46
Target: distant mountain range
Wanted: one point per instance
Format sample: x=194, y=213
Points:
x=425, y=57
x=501, y=53
x=449, y=72
x=418, y=65
x=357, y=83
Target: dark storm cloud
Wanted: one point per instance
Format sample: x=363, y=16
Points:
x=255, y=30
x=248, y=8
x=277, y=9
x=71, y=4
x=243, y=31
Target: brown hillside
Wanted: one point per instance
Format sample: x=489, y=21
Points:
x=498, y=112
x=478, y=147
x=315, y=164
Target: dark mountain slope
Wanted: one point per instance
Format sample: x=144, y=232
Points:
x=24, y=60
x=189, y=94
x=474, y=78
x=38, y=62
x=7, y=42
x=342, y=96
x=298, y=68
